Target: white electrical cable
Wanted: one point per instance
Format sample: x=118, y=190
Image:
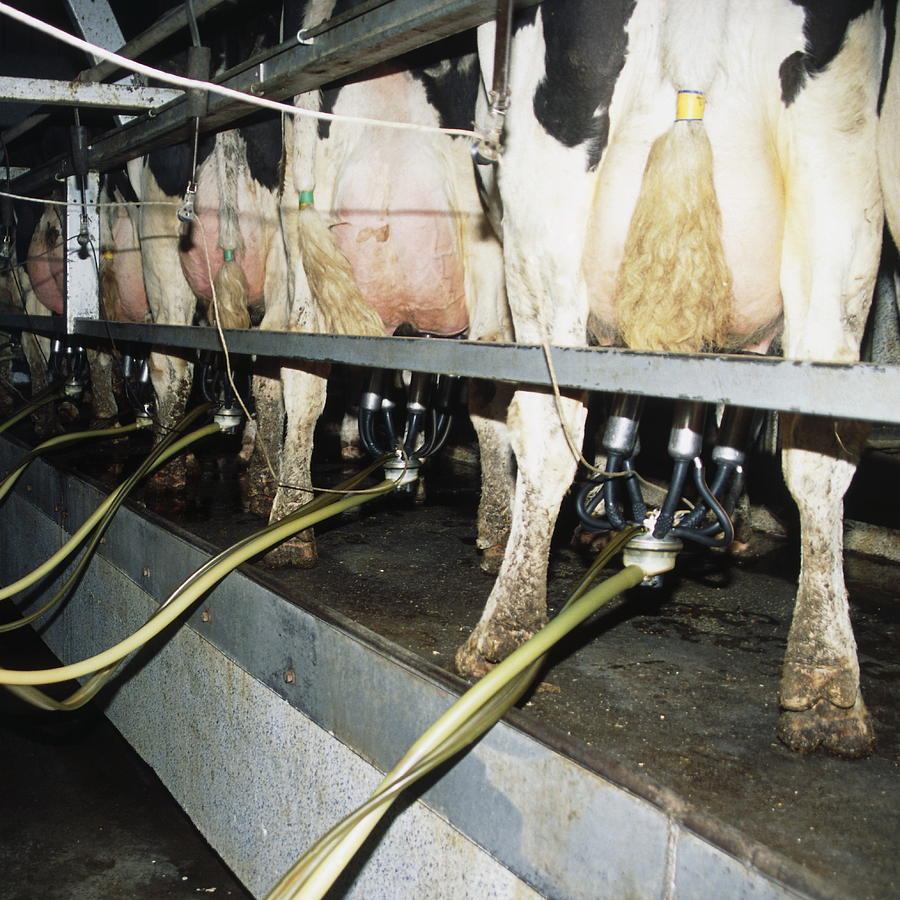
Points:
x=211, y=87
x=132, y=203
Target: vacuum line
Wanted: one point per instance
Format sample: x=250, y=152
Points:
x=193, y=589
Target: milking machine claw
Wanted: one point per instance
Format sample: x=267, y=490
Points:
x=19, y=370
x=429, y=401
x=217, y=388
x=68, y=363
x=669, y=526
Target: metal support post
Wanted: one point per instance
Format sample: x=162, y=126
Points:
x=82, y=286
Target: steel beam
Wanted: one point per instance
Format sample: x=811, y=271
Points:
x=351, y=46
x=77, y=93
x=168, y=24
x=97, y=23
x=854, y=391
x=165, y=27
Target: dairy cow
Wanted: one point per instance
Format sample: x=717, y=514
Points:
x=385, y=228
x=225, y=265
x=760, y=216
x=221, y=258
x=122, y=295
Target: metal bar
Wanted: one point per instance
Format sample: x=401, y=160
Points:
x=77, y=93
x=855, y=391
x=351, y=46
x=97, y=23
x=165, y=27
x=81, y=283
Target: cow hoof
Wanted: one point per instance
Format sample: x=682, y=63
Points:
x=298, y=552
x=469, y=663
x=169, y=480
x=485, y=648
x=68, y=412
x=843, y=732
x=491, y=557
x=804, y=684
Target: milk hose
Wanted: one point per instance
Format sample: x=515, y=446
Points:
x=167, y=448
x=118, y=496
x=53, y=392
x=467, y=719
x=203, y=580
x=7, y=484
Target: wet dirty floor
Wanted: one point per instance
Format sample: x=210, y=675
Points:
x=679, y=685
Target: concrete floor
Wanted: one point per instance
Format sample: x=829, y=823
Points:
x=81, y=816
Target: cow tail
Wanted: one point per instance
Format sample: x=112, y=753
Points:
x=674, y=289
x=340, y=304
x=110, y=299
x=230, y=283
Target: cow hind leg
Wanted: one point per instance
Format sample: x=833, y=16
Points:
x=820, y=698
x=832, y=240
x=488, y=405
x=516, y=608
x=266, y=455
x=304, y=400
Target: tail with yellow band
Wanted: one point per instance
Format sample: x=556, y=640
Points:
x=674, y=288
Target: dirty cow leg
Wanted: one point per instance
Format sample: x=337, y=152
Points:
x=304, y=400
x=820, y=696
x=488, y=407
x=105, y=408
x=171, y=302
x=832, y=239
x=267, y=442
x=267, y=392
x=171, y=377
x=517, y=607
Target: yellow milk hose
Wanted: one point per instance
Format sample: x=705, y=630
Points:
x=59, y=441
x=166, y=449
x=96, y=682
x=119, y=495
x=198, y=584
x=472, y=715
x=46, y=396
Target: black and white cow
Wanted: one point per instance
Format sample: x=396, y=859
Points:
x=385, y=228
x=232, y=249
x=761, y=216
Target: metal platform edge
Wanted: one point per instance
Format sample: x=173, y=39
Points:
x=863, y=391
x=243, y=748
